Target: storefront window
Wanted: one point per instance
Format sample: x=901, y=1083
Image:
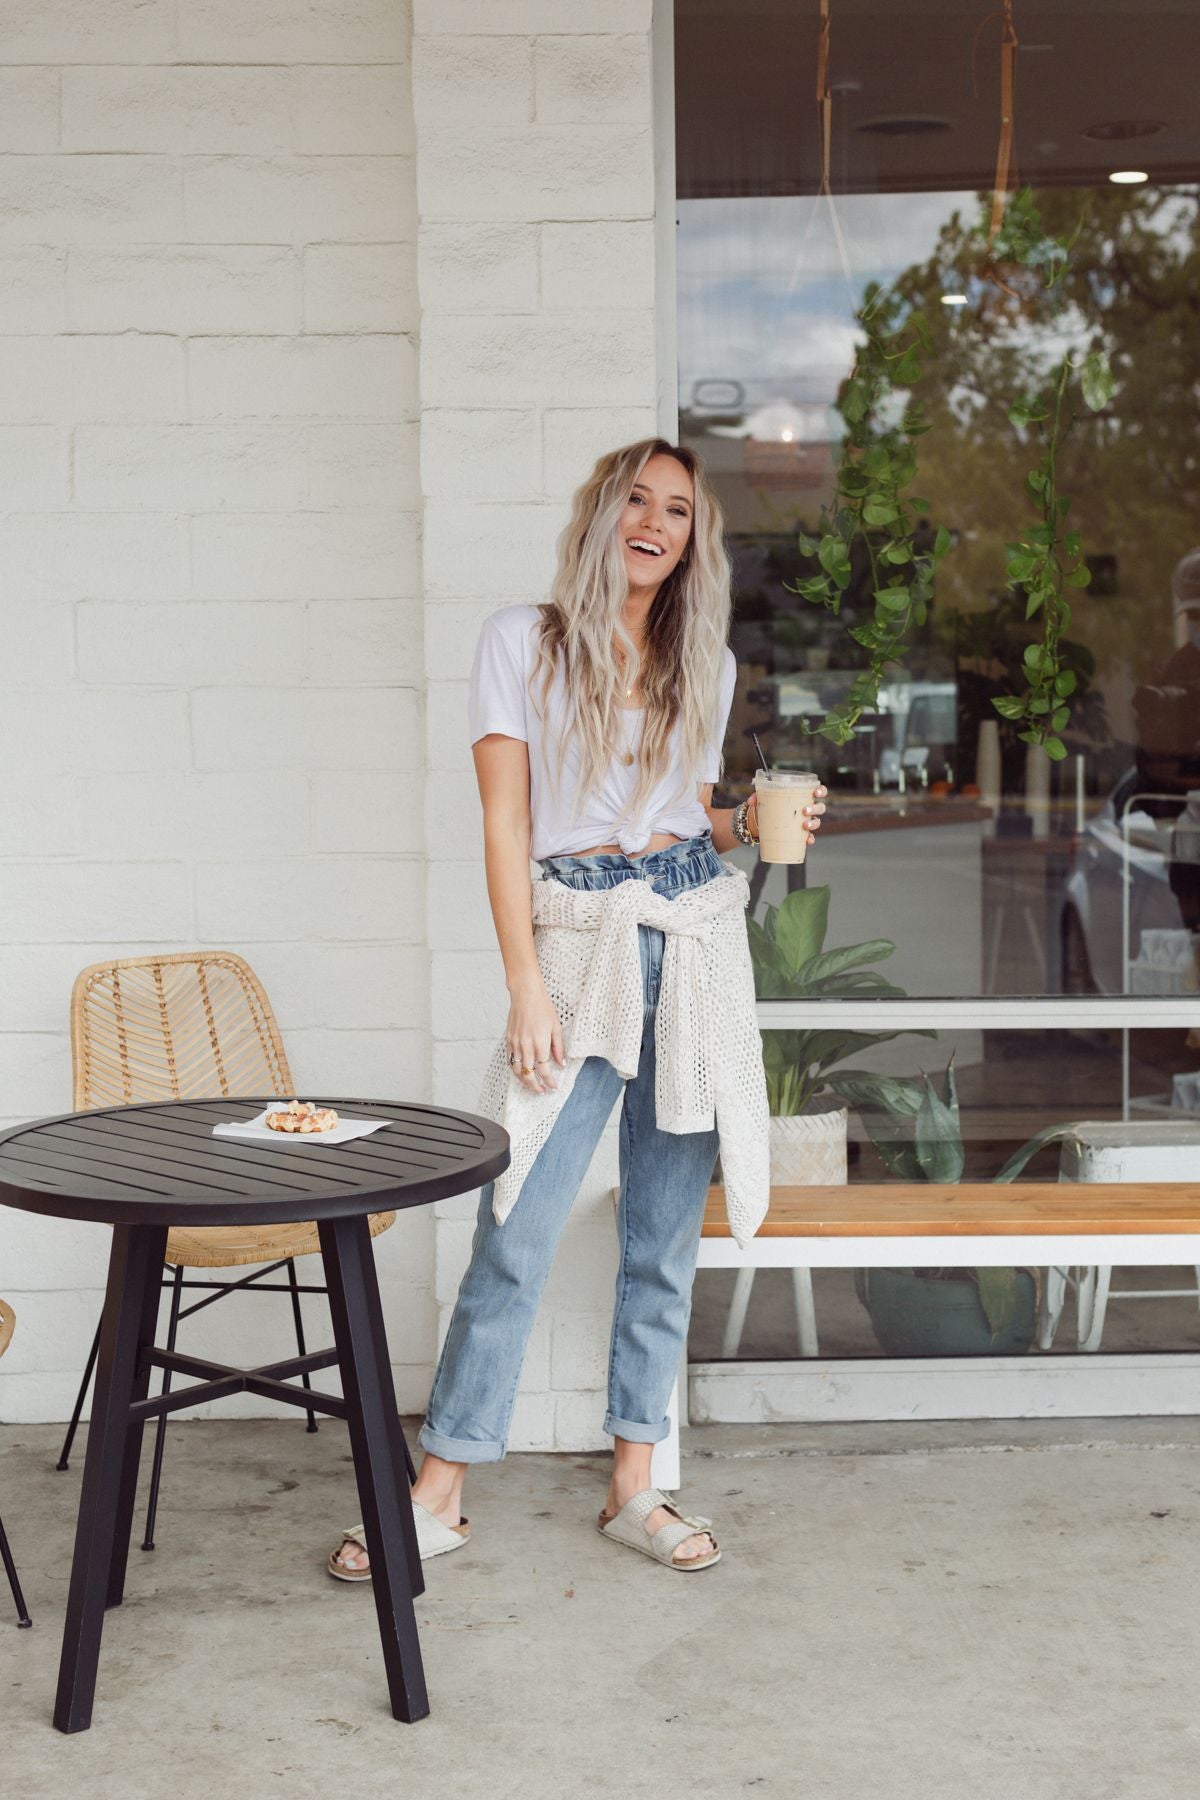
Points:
x=976, y=865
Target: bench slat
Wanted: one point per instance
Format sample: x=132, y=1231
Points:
x=903, y=1209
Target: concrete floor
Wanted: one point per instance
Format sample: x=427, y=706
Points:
x=908, y=1612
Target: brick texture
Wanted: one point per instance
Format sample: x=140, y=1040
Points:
x=212, y=726
x=537, y=352
x=313, y=314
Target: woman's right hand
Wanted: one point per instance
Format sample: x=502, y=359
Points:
x=534, y=1035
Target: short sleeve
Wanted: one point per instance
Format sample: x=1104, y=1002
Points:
x=711, y=767
x=496, y=692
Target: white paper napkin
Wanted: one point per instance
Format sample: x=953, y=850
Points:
x=257, y=1131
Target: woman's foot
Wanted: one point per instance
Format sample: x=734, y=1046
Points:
x=701, y=1544
x=439, y=1490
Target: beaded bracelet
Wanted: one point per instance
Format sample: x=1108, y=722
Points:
x=739, y=826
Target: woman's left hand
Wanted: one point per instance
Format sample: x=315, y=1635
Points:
x=812, y=813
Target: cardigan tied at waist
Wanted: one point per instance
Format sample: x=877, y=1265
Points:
x=709, y=1067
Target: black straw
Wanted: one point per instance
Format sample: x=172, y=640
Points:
x=762, y=759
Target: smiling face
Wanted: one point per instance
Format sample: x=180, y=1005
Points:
x=657, y=522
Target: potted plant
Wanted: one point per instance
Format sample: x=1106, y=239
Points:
x=808, y=1115
x=942, y=1312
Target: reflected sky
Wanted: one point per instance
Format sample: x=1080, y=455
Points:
x=765, y=298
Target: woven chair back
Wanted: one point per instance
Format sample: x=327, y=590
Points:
x=192, y=1026
x=7, y=1320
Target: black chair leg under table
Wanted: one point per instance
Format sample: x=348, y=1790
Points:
x=64, y=1455
x=111, y=1465
x=10, y=1569
x=380, y=1456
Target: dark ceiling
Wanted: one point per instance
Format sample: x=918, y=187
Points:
x=747, y=118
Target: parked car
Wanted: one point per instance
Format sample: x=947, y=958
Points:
x=1137, y=832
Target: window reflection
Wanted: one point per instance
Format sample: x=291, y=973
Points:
x=1042, y=879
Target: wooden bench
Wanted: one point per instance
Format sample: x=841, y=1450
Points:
x=927, y=1225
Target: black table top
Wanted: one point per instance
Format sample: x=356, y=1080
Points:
x=161, y=1165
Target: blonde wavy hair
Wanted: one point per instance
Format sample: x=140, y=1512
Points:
x=686, y=631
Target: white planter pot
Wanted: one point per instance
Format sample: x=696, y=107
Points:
x=809, y=1149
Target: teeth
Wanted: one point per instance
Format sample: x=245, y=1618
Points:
x=641, y=544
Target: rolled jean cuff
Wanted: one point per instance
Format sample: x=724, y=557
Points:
x=460, y=1450
x=634, y=1432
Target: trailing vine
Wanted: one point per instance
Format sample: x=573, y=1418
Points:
x=1046, y=559
x=872, y=506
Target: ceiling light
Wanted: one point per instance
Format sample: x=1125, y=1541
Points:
x=1128, y=177
x=954, y=299
x=1118, y=131
x=916, y=125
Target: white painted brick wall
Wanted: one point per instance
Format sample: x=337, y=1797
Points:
x=273, y=297
x=211, y=599
x=535, y=188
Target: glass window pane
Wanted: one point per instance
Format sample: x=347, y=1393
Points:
x=1046, y=1107
x=992, y=869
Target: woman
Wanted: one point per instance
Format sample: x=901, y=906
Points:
x=596, y=723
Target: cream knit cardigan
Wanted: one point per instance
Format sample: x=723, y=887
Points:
x=709, y=1052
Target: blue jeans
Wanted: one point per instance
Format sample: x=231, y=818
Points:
x=664, y=1184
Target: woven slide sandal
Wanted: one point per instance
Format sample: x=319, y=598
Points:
x=433, y=1539
x=629, y=1527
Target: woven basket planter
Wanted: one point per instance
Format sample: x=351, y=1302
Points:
x=809, y=1149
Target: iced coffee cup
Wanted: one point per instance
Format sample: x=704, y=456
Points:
x=783, y=795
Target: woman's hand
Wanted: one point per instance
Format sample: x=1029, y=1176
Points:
x=534, y=1035
x=812, y=814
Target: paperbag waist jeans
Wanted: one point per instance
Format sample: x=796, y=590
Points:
x=664, y=1185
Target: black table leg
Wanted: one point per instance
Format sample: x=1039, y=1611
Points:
x=387, y=1514
x=110, y=1469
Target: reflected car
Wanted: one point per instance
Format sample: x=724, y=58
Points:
x=1109, y=945
x=925, y=731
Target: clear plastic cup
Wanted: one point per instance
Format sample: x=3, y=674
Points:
x=783, y=795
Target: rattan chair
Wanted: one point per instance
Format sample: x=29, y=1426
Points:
x=7, y=1321
x=192, y=1026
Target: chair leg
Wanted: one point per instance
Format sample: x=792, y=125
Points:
x=10, y=1569
x=297, y=1316
x=806, y=1312
x=65, y=1453
x=160, y=1433
x=1054, y=1293
x=736, y=1321
x=1092, y=1295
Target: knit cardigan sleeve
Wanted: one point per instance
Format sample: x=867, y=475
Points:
x=709, y=1067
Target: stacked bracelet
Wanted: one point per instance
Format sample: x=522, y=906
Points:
x=739, y=826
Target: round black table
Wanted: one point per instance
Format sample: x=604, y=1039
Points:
x=143, y=1169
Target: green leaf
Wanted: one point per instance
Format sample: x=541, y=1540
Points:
x=941, y=542
x=800, y=927
x=1019, y=1158
x=1060, y=718
x=878, y=511
x=907, y=369
x=939, y=1142
x=1071, y=544
x=1096, y=380
x=854, y=403
x=892, y=599
x=1009, y=707
x=888, y=1093
x=1064, y=682
x=822, y=966
x=1080, y=576
x=807, y=546
x=1055, y=749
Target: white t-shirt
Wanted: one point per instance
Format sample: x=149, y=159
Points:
x=499, y=700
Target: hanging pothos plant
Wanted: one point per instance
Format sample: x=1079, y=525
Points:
x=1046, y=559
x=872, y=506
